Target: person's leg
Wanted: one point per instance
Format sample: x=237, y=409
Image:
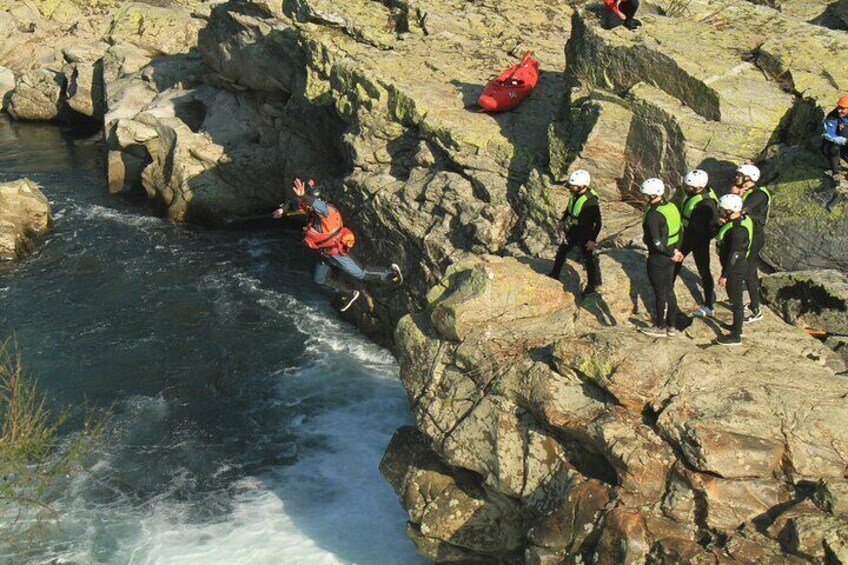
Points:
x=656, y=276
x=752, y=279
x=701, y=254
x=324, y=276
x=735, y=287
x=321, y=273
x=347, y=264
x=559, y=260
x=671, y=298
x=592, y=263
x=832, y=151
x=629, y=8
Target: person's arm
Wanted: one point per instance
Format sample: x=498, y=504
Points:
x=590, y=222
x=738, y=248
x=755, y=206
x=830, y=131
x=653, y=222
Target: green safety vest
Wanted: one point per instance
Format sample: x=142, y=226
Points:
x=575, y=206
x=692, y=201
x=746, y=222
x=768, y=198
x=672, y=220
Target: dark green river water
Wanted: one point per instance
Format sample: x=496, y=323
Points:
x=248, y=420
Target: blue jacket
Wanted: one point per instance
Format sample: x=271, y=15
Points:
x=835, y=128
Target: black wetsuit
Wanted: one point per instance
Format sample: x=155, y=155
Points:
x=584, y=228
x=660, y=266
x=756, y=207
x=697, y=238
x=733, y=250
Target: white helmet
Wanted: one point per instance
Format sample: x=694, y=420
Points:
x=732, y=202
x=654, y=187
x=696, y=179
x=749, y=171
x=579, y=178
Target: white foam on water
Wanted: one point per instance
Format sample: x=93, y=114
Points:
x=96, y=212
x=330, y=506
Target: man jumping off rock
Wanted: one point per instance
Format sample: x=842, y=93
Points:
x=325, y=232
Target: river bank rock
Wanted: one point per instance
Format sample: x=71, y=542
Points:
x=37, y=95
x=617, y=446
x=24, y=216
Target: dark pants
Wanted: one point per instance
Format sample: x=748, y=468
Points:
x=735, y=287
x=661, y=275
x=752, y=278
x=834, y=153
x=589, y=259
x=701, y=253
x=329, y=265
x=628, y=8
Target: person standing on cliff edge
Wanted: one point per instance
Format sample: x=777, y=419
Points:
x=661, y=225
x=625, y=10
x=734, y=244
x=325, y=232
x=699, y=215
x=756, y=201
x=580, y=224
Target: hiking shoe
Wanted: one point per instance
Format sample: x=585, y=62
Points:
x=754, y=316
x=731, y=340
x=670, y=332
x=348, y=300
x=397, y=276
x=703, y=312
x=589, y=291
x=655, y=331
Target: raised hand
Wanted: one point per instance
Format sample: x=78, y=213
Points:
x=299, y=188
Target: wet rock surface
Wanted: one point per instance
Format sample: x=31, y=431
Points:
x=24, y=216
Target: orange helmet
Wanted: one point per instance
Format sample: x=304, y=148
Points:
x=843, y=102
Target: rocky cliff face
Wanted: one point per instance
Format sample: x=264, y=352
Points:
x=548, y=430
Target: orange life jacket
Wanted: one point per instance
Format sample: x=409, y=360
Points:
x=333, y=238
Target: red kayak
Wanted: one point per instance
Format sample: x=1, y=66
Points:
x=512, y=86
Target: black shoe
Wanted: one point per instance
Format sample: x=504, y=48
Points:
x=589, y=291
x=348, y=300
x=754, y=316
x=553, y=276
x=731, y=340
x=631, y=25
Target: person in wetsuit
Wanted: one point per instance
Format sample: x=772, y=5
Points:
x=581, y=224
x=661, y=225
x=699, y=215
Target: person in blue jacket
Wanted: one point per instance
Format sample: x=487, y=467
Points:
x=835, y=137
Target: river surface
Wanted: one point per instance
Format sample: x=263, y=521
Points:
x=248, y=421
